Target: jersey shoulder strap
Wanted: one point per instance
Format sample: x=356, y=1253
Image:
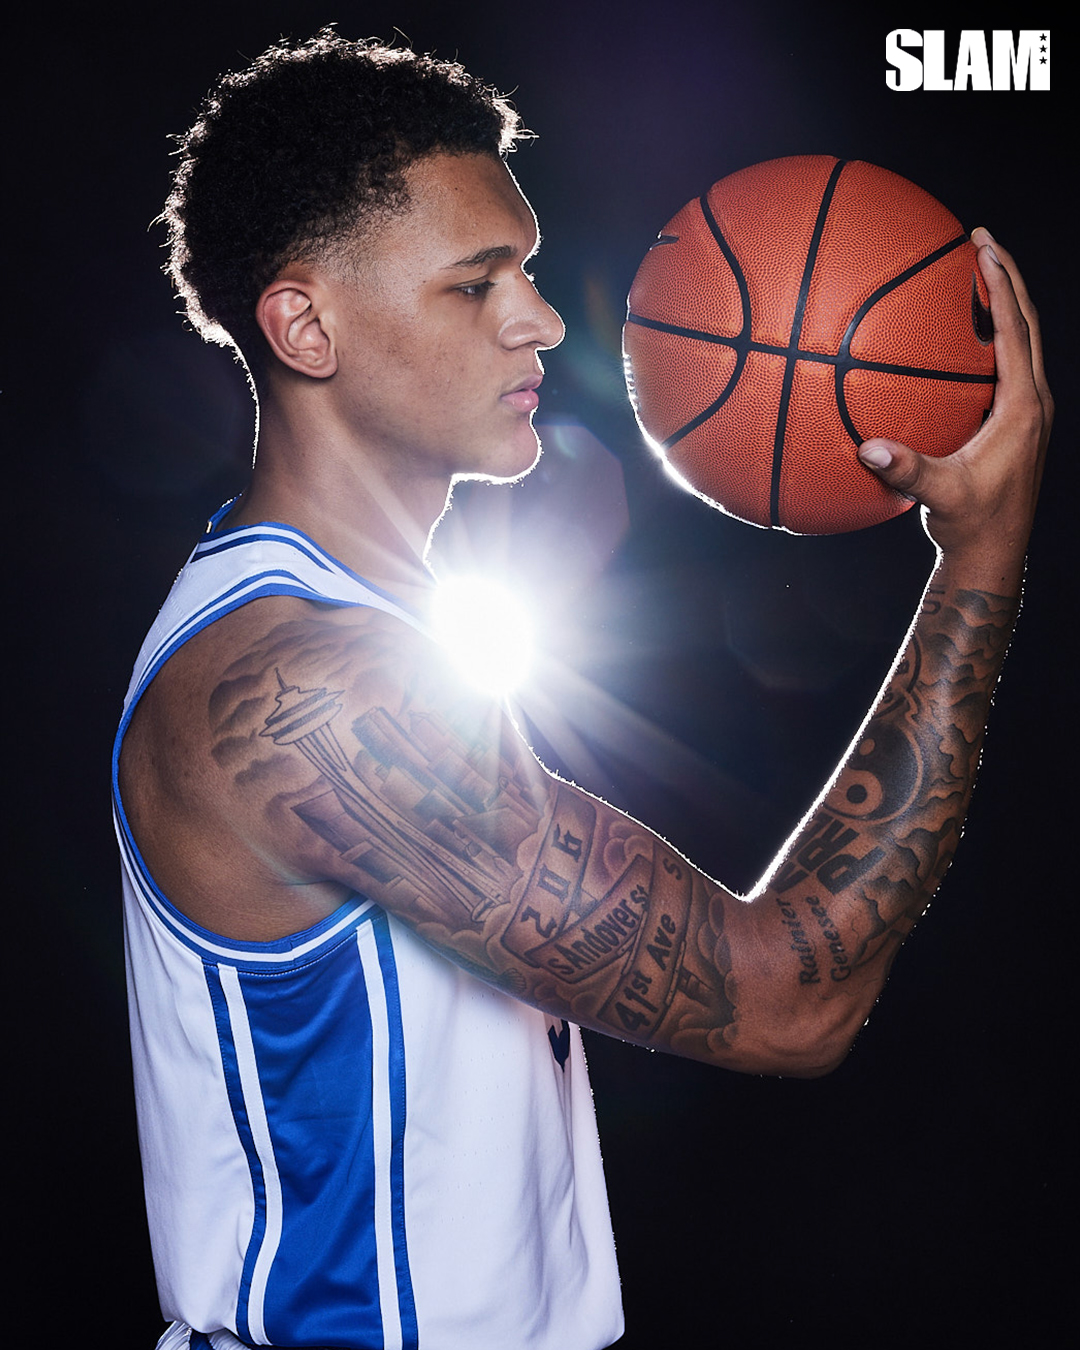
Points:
x=230, y=568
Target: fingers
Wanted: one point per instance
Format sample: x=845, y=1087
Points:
x=983, y=239
x=900, y=467
x=1005, y=302
x=979, y=502
x=1012, y=336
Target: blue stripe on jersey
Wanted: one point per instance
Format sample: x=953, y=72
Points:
x=406, y=1303
x=280, y=953
x=273, y=531
x=230, y=1065
x=275, y=581
x=320, y=1282
x=218, y=543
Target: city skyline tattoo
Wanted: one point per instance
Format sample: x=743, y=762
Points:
x=422, y=812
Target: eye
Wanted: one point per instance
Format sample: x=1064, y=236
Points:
x=476, y=290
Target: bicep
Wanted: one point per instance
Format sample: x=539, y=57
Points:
x=415, y=792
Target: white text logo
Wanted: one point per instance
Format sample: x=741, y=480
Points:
x=1004, y=62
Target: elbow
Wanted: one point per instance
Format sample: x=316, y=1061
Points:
x=823, y=1045
x=811, y=1061
x=801, y=1047
x=817, y=1063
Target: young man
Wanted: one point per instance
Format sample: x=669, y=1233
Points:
x=363, y=921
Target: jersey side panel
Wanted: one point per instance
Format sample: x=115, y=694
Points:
x=501, y=1118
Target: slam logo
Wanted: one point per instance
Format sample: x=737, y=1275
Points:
x=1000, y=60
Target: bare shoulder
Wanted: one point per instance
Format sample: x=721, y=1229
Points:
x=207, y=769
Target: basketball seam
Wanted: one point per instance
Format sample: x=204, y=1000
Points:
x=801, y=354
x=732, y=262
x=844, y=353
x=739, y=344
x=796, y=333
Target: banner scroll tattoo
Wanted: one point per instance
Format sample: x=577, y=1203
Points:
x=574, y=947
x=654, y=972
x=640, y=924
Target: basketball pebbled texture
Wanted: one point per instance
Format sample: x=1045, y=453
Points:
x=798, y=308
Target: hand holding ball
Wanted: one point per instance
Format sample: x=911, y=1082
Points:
x=795, y=310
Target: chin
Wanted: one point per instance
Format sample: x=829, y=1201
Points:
x=506, y=466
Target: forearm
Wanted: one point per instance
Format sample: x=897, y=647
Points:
x=849, y=887
x=827, y=921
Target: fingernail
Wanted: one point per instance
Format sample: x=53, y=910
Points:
x=987, y=242
x=876, y=456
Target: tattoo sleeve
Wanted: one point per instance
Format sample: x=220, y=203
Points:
x=853, y=881
x=431, y=804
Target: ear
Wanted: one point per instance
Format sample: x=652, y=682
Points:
x=291, y=315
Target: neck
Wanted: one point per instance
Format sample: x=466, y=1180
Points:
x=373, y=515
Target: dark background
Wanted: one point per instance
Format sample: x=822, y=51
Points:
x=919, y=1192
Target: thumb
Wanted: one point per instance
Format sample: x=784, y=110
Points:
x=898, y=466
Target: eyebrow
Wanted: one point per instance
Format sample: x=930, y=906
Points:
x=484, y=255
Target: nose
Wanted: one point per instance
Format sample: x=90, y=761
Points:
x=554, y=328
x=536, y=324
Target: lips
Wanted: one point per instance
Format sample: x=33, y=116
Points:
x=523, y=398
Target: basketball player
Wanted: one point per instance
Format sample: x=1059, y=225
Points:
x=363, y=922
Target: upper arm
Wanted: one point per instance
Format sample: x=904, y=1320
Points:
x=356, y=756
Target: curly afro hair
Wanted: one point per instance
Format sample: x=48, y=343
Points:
x=296, y=152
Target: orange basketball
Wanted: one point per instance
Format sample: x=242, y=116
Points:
x=796, y=309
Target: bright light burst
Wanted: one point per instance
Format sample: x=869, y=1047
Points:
x=486, y=631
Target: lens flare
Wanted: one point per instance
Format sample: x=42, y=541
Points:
x=486, y=631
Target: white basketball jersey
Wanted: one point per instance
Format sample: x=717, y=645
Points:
x=346, y=1140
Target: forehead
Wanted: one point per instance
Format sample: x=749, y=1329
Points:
x=459, y=206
